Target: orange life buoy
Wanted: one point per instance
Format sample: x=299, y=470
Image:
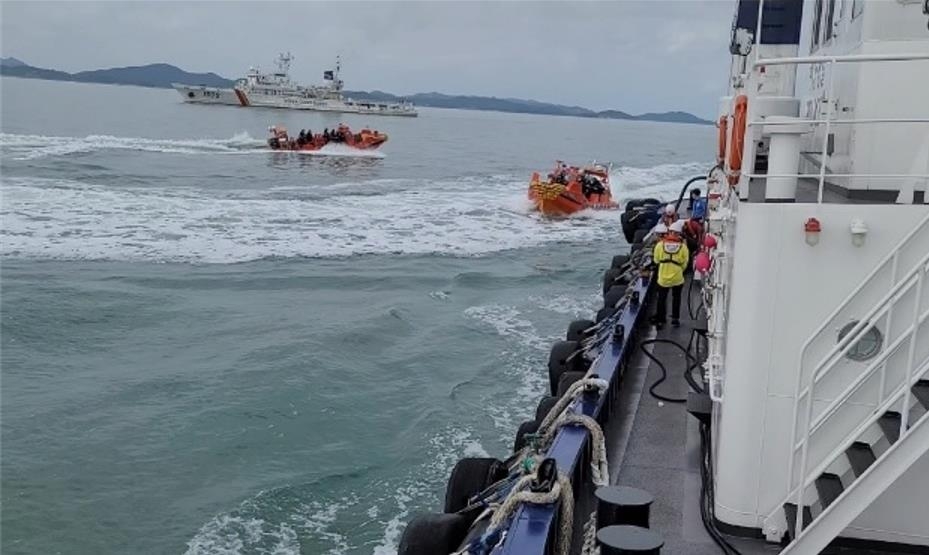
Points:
x=723, y=137
x=739, y=113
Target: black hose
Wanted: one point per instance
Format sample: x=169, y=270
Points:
x=688, y=373
x=680, y=198
x=707, y=491
x=708, y=494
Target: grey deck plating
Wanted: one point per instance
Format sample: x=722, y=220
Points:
x=657, y=448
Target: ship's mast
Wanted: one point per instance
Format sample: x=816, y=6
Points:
x=283, y=62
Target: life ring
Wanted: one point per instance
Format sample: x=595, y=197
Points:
x=737, y=142
x=723, y=132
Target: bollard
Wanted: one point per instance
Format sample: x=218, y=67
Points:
x=629, y=540
x=622, y=505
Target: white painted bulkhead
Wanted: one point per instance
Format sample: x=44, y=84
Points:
x=781, y=290
x=867, y=91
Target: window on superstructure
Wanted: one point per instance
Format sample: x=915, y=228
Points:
x=830, y=19
x=817, y=23
x=857, y=8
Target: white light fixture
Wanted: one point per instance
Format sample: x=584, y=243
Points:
x=859, y=231
x=811, y=229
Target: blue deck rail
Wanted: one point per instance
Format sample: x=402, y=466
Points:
x=532, y=525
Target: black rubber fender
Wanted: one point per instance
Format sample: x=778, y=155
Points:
x=567, y=379
x=627, y=226
x=527, y=427
x=545, y=406
x=430, y=533
x=609, y=277
x=638, y=238
x=613, y=296
x=605, y=313
x=576, y=330
x=619, y=261
x=557, y=363
x=470, y=476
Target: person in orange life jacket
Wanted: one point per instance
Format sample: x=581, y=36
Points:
x=670, y=257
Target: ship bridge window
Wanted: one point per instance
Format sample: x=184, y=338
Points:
x=817, y=23
x=857, y=8
x=867, y=347
x=830, y=21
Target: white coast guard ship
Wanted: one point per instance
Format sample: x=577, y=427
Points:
x=277, y=90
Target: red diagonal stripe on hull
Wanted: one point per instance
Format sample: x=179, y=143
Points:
x=243, y=100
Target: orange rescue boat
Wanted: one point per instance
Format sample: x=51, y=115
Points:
x=366, y=139
x=570, y=189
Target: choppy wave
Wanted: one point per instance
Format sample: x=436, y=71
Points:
x=291, y=520
x=30, y=147
x=467, y=216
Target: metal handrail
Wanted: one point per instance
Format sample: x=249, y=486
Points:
x=869, y=175
x=891, y=256
x=855, y=434
x=904, y=433
x=858, y=331
x=847, y=58
x=859, y=381
x=840, y=121
x=830, y=87
x=911, y=332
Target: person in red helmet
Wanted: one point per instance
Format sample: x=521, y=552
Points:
x=670, y=257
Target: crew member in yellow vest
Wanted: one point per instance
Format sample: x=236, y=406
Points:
x=670, y=257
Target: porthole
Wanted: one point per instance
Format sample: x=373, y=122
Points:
x=867, y=347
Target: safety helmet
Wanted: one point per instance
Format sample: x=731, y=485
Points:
x=661, y=228
x=677, y=227
x=669, y=210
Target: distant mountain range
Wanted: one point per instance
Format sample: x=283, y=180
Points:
x=163, y=75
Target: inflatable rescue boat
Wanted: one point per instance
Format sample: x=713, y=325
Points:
x=366, y=139
x=570, y=189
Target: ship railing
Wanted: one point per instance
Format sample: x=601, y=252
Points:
x=832, y=62
x=911, y=284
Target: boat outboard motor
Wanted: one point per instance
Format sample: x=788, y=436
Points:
x=639, y=214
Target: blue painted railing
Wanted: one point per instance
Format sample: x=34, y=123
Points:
x=532, y=524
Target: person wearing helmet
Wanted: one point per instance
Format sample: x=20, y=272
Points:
x=670, y=256
x=693, y=226
x=669, y=215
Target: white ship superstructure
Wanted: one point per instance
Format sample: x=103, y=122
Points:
x=818, y=300
x=278, y=90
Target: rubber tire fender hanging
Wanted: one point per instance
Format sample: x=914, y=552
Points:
x=469, y=477
x=428, y=534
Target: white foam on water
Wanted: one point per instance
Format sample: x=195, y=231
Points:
x=508, y=322
x=571, y=305
x=235, y=535
x=30, y=147
x=465, y=216
x=253, y=527
x=522, y=362
x=341, y=150
x=446, y=448
x=663, y=181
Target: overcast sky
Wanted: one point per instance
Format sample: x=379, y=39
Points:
x=636, y=56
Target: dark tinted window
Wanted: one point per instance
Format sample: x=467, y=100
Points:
x=817, y=22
